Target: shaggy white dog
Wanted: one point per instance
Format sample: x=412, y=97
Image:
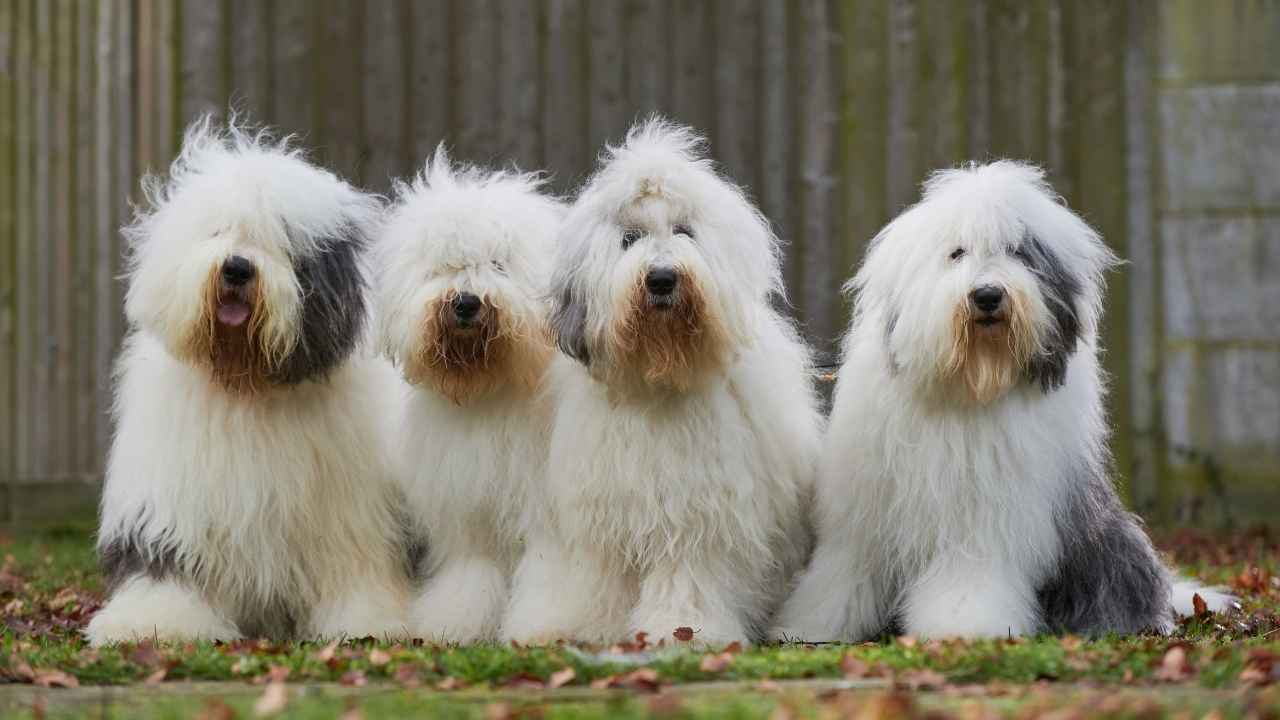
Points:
x=463, y=266
x=685, y=435
x=248, y=491
x=964, y=487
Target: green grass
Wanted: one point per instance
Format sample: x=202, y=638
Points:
x=49, y=589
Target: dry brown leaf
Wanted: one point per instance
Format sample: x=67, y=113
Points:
x=451, y=683
x=562, y=677
x=327, y=653
x=922, y=680
x=853, y=668
x=352, y=712
x=353, y=678
x=146, y=654
x=499, y=711
x=216, y=709
x=887, y=706
x=1199, y=605
x=1174, y=666
x=733, y=648
x=768, y=686
x=683, y=634
x=407, y=676
x=715, y=663
x=156, y=677
x=908, y=641
x=54, y=678
x=665, y=703
x=379, y=657
x=272, y=701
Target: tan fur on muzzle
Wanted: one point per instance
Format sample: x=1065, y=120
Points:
x=668, y=347
x=497, y=350
x=237, y=357
x=984, y=363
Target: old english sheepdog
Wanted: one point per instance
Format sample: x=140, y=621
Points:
x=462, y=272
x=248, y=490
x=685, y=434
x=964, y=487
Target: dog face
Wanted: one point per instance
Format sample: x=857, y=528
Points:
x=462, y=280
x=987, y=283
x=247, y=263
x=663, y=265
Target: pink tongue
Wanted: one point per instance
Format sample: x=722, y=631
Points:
x=233, y=313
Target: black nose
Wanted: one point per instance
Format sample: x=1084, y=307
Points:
x=661, y=281
x=466, y=306
x=237, y=271
x=987, y=298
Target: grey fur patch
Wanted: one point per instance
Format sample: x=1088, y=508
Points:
x=891, y=324
x=129, y=555
x=1109, y=578
x=1061, y=292
x=569, y=316
x=333, y=308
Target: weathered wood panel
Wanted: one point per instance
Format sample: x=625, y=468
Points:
x=831, y=113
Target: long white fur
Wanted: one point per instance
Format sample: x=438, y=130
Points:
x=669, y=509
x=470, y=467
x=952, y=502
x=280, y=493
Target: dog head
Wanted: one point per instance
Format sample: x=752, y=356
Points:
x=664, y=266
x=987, y=283
x=462, y=275
x=246, y=260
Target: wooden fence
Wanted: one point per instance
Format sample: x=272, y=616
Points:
x=831, y=113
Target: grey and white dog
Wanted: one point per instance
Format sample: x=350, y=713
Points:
x=964, y=487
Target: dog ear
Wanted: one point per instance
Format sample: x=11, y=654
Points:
x=1061, y=291
x=569, y=318
x=332, y=285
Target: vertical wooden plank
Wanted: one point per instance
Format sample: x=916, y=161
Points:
x=979, y=91
x=24, y=229
x=735, y=96
x=293, y=72
x=167, y=106
x=775, y=133
x=42, y=325
x=205, y=45
x=249, y=87
x=83, y=173
x=340, y=135
x=944, y=82
x=864, y=113
x=8, y=250
x=430, y=104
x=60, y=287
x=608, y=109
x=564, y=80
x=692, y=45
x=816, y=104
x=473, y=84
x=146, y=91
x=648, y=72
x=1096, y=32
x=519, y=117
x=384, y=93
x=905, y=164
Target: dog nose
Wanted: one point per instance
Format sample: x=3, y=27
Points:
x=466, y=306
x=987, y=298
x=237, y=271
x=661, y=281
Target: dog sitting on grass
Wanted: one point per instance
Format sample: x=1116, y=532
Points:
x=248, y=492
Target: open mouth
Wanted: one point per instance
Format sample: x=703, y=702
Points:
x=233, y=312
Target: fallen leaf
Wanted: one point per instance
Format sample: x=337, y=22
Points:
x=713, y=663
x=667, y=703
x=768, y=686
x=352, y=712
x=353, y=678
x=146, y=654
x=733, y=648
x=272, y=701
x=498, y=711
x=560, y=678
x=65, y=597
x=327, y=653
x=1174, y=665
x=379, y=657
x=853, y=668
x=13, y=607
x=908, y=641
x=54, y=678
x=921, y=680
x=215, y=710
x=156, y=677
x=407, y=676
x=524, y=680
x=683, y=634
x=887, y=706
x=451, y=683
x=1199, y=605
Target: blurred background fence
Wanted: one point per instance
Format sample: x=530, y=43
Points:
x=1159, y=120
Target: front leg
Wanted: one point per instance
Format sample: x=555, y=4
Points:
x=364, y=607
x=838, y=598
x=558, y=594
x=687, y=595
x=462, y=603
x=967, y=597
x=147, y=609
